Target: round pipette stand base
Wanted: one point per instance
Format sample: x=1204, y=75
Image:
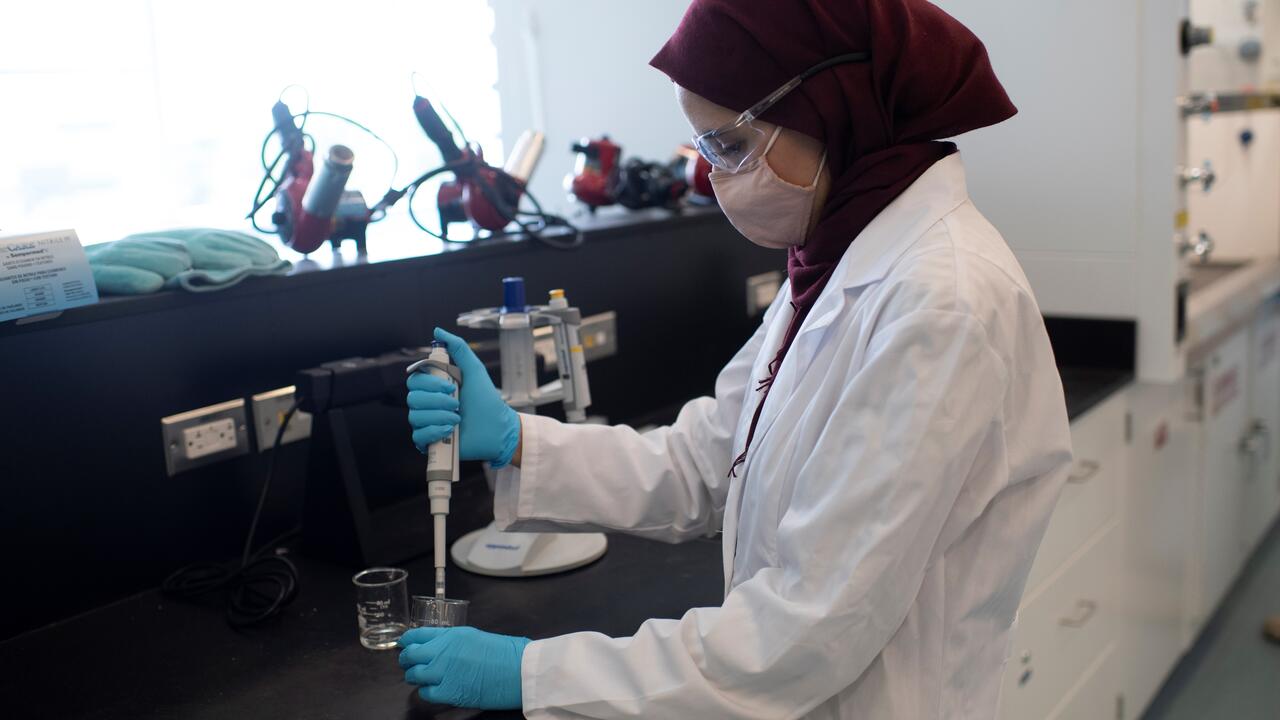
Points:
x=494, y=553
x=420, y=709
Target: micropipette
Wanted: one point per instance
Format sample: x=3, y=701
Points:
x=442, y=458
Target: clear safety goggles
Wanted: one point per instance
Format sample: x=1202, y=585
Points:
x=738, y=144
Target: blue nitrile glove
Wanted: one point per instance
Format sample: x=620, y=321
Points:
x=464, y=667
x=136, y=266
x=219, y=258
x=195, y=259
x=490, y=428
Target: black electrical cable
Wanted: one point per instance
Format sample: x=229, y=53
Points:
x=413, y=215
x=395, y=159
x=549, y=220
x=263, y=583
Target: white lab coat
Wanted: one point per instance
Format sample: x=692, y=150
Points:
x=878, y=540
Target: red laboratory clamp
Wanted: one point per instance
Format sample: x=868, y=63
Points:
x=597, y=172
x=314, y=206
x=484, y=195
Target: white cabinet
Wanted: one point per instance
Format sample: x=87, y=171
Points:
x=1219, y=501
x=1091, y=496
x=1201, y=492
x=1156, y=500
x=1097, y=697
x=1063, y=631
x=1068, y=625
x=1172, y=487
x=1262, y=456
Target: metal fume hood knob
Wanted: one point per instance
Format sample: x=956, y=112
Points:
x=1202, y=247
x=1194, y=36
x=1204, y=175
x=1257, y=440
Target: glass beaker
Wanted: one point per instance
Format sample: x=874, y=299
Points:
x=382, y=606
x=431, y=611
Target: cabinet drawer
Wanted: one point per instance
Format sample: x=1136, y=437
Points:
x=1096, y=697
x=1063, y=630
x=1092, y=493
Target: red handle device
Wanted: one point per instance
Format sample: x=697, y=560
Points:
x=698, y=175
x=305, y=209
x=597, y=172
x=482, y=194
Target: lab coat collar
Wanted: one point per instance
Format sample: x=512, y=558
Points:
x=936, y=193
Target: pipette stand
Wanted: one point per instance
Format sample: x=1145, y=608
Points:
x=490, y=551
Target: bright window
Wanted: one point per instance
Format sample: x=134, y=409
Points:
x=135, y=115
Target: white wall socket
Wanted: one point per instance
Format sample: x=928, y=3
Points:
x=204, y=436
x=210, y=438
x=269, y=409
x=599, y=335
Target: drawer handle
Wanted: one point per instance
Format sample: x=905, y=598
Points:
x=1085, y=610
x=1084, y=472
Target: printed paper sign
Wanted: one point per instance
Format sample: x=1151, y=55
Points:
x=43, y=273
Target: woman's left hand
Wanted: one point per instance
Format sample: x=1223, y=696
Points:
x=464, y=667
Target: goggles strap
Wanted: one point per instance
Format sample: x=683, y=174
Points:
x=776, y=132
x=821, y=164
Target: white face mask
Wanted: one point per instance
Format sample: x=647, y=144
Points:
x=766, y=209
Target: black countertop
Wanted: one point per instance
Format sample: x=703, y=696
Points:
x=1086, y=388
x=151, y=657
x=391, y=248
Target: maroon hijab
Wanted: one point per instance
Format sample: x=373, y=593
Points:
x=929, y=78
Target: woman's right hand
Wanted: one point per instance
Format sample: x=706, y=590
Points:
x=490, y=429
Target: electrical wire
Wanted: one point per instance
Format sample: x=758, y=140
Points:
x=263, y=583
x=395, y=159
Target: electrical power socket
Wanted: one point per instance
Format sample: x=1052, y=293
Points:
x=269, y=409
x=204, y=436
x=598, y=333
x=599, y=336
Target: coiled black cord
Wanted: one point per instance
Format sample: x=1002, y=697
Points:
x=263, y=583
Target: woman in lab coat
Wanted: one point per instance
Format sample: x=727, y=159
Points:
x=882, y=456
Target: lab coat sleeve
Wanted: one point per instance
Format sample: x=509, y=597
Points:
x=668, y=484
x=861, y=522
